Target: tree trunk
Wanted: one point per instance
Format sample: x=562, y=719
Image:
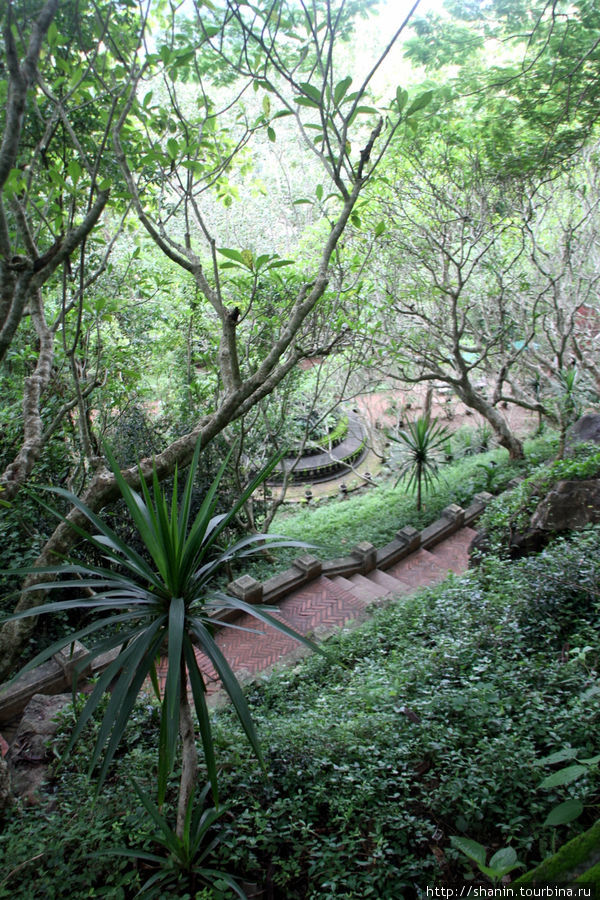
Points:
x=505, y=436
x=189, y=755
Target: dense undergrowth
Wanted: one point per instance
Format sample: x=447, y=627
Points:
x=423, y=723
x=426, y=722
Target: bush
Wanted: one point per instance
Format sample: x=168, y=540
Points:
x=418, y=726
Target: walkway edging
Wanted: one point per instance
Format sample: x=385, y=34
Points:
x=362, y=559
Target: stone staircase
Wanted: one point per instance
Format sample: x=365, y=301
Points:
x=314, y=597
x=422, y=569
x=329, y=602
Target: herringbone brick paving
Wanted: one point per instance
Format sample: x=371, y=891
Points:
x=320, y=605
x=324, y=605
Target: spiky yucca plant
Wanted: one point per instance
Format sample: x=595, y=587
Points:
x=421, y=443
x=146, y=603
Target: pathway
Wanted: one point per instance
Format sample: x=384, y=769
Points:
x=325, y=604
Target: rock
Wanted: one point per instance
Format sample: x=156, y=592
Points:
x=29, y=755
x=585, y=430
x=569, y=505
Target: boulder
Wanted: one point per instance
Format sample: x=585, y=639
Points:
x=568, y=505
x=585, y=430
x=29, y=755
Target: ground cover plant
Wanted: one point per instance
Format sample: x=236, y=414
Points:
x=416, y=729
x=422, y=728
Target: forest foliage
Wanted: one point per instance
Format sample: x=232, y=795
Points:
x=220, y=221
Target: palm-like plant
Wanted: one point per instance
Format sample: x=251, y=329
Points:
x=187, y=855
x=152, y=602
x=421, y=442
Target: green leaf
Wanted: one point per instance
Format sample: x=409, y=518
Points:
x=559, y=756
x=173, y=687
x=564, y=776
x=401, y=98
x=52, y=34
x=470, y=848
x=305, y=101
x=199, y=695
x=311, y=91
x=341, y=88
x=591, y=761
x=266, y=105
x=124, y=696
x=379, y=229
x=419, y=102
x=231, y=254
x=504, y=860
x=564, y=813
x=280, y=263
x=319, y=191
x=172, y=148
x=271, y=134
x=74, y=170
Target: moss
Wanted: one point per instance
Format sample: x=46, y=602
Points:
x=592, y=876
x=579, y=859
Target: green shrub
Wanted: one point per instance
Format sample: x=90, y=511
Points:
x=418, y=728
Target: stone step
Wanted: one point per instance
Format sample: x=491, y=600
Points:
x=420, y=569
x=453, y=553
x=362, y=592
x=368, y=584
x=385, y=580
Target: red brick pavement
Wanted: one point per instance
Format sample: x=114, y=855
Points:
x=321, y=605
x=453, y=552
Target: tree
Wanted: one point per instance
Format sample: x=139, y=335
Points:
x=449, y=274
x=165, y=180
x=485, y=282
x=531, y=69
x=53, y=192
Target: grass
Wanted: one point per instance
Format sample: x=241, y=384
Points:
x=335, y=526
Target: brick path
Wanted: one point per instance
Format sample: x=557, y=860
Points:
x=325, y=604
